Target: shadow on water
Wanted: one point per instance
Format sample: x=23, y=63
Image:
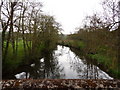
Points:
x=46, y=67
x=92, y=65
x=77, y=67
x=62, y=64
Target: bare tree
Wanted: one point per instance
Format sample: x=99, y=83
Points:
x=10, y=33
x=111, y=13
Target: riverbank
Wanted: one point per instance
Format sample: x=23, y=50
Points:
x=59, y=84
x=23, y=58
x=62, y=63
x=108, y=63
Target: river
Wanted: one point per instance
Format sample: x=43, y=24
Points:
x=63, y=63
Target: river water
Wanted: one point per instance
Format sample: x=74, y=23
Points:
x=63, y=64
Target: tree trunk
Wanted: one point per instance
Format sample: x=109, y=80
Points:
x=10, y=30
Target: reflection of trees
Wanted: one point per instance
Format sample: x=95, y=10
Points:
x=84, y=69
x=51, y=67
x=47, y=69
x=92, y=72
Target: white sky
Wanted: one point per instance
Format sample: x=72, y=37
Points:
x=70, y=13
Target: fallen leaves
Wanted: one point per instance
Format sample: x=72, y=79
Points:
x=60, y=83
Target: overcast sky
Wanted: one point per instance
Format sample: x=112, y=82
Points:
x=70, y=13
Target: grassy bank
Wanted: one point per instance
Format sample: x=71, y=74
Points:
x=112, y=66
x=14, y=61
x=100, y=56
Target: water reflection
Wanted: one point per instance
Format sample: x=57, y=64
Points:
x=47, y=67
x=77, y=68
x=63, y=64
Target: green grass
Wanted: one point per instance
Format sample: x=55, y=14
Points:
x=107, y=61
x=101, y=58
x=115, y=72
x=13, y=61
x=81, y=44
